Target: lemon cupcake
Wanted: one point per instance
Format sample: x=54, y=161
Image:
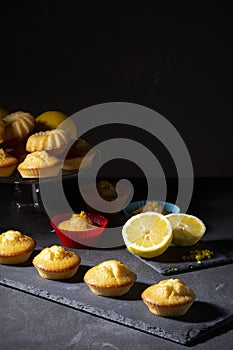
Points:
x=149, y=206
x=76, y=154
x=110, y=278
x=169, y=298
x=77, y=222
x=56, y=263
x=39, y=164
x=15, y=247
x=106, y=190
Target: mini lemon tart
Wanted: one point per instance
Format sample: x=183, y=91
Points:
x=8, y=163
x=110, y=278
x=169, y=298
x=77, y=222
x=106, y=190
x=56, y=263
x=15, y=247
x=39, y=164
x=149, y=206
x=79, y=155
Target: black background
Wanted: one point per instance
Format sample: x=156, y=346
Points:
x=174, y=57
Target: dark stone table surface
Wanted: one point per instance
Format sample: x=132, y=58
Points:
x=31, y=321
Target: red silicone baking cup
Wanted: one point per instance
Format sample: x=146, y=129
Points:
x=79, y=239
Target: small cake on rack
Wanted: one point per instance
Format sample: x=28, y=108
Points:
x=39, y=164
x=56, y=263
x=8, y=163
x=15, y=247
x=53, y=141
x=76, y=154
x=18, y=126
x=110, y=278
x=169, y=298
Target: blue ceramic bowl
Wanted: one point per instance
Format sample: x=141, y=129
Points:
x=168, y=207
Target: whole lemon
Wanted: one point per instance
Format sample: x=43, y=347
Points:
x=52, y=119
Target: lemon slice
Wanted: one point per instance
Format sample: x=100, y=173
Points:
x=147, y=234
x=52, y=119
x=187, y=229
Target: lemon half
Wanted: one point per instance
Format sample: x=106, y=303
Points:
x=187, y=229
x=147, y=234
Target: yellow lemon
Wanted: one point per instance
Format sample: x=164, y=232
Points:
x=52, y=119
x=187, y=229
x=147, y=234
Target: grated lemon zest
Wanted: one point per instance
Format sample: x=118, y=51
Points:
x=198, y=255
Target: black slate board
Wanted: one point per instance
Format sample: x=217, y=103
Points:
x=171, y=262
x=129, y=310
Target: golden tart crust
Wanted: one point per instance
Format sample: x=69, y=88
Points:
x=56, y=262
x=110, y=278
x=39, y=164
x=8, y=163
x=15, y=247
x=169, y=298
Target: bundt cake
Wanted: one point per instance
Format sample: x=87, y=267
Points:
x=53, y=141
x=18, y=125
